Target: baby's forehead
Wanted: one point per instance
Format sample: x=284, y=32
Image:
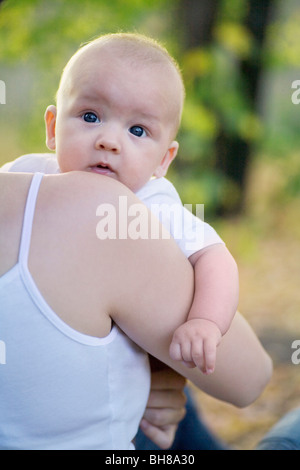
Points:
x=90, y=62
x=97, y=64
x=114, y=55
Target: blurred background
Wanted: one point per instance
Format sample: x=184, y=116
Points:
x=239, y=145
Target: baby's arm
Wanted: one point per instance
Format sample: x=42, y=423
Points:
x=213, y=308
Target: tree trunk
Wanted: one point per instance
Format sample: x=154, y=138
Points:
x=197, y=19
x=233, y=152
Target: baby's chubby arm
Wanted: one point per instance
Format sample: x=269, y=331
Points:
x=214, y=306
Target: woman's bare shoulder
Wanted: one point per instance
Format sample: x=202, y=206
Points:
x=88, y=184
x=76, y=183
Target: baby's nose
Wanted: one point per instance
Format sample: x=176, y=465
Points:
x=111, y=146
x=108, y=142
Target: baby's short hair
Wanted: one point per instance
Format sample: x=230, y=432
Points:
x=137, y=49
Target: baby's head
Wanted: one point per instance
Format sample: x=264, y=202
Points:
x=136, y=51
x=119, y=106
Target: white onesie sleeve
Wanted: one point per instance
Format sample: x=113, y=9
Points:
x=190, y=232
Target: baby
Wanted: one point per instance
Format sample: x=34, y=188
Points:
x=119, y=106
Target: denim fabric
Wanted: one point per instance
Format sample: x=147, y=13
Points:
x=285, y=435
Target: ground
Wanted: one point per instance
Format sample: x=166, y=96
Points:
x=265, y=243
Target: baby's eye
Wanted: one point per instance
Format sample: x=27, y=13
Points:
x=90, y=117
x=138, y=131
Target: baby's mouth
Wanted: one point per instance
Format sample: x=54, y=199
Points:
x=102, y=169
x=103, y=166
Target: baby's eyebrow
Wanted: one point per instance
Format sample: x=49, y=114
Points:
x=146, y=112
x=90, y=97
x=147, y=116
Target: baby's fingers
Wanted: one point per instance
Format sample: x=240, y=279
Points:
x=197, y=353
x=180, y=353
x=210, y=355
x=175, y=351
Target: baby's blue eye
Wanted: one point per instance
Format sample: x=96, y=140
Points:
x=90, y=117
x=138, y=131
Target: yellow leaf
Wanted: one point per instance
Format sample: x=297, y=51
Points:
x=236, y=38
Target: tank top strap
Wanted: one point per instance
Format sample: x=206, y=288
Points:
x=29, y=216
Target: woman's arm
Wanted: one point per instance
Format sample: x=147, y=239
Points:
x=243, y=368
x=155, y=285
x=145, y=285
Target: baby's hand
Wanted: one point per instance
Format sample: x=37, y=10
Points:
x=195, y=343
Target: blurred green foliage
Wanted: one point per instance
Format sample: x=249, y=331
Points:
x=37, y=38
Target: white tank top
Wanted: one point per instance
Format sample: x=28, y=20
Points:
x=61, y=389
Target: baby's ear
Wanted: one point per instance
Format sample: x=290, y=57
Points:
x=50, y=121
x=169, y=156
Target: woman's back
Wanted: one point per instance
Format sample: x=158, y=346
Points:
x=59, y=388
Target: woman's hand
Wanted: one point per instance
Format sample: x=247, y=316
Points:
x=166, y=405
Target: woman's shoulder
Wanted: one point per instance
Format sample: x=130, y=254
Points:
x=82, y=188
x=13, y=190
